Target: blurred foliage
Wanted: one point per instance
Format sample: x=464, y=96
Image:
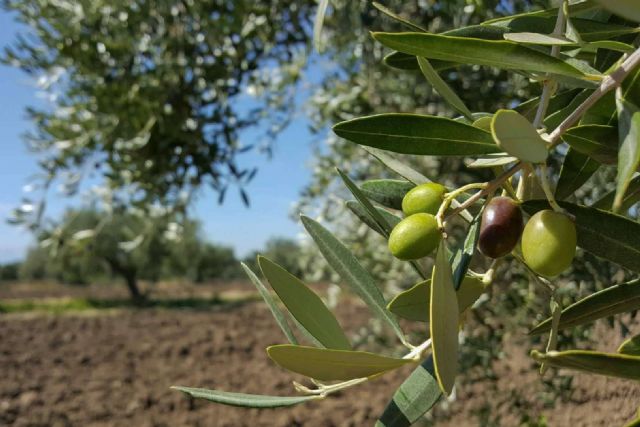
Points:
x=9, y=271
x=145, y=96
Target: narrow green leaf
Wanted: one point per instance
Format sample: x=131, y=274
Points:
x=359, y=211
x=347, y=266
x=581, y=7
x=631, y=197
x=417, y=134
x=576, y=169
x=443, y=88
x=462, y=256
x=607, y=235
x=609, y=364
x=397, y=17
x=415, y=396
x=364, y=201
x=630, y=346
x=493, y=53
x=331, y=365
x=244, y=400
x=387, y=192
x=607, y=302
x=541, y=39
x=590, y=30
x=514, y=134
x=405, y=61
x=397, y=166
x=444, y=322
x=272, y=304
x=305, y=306
x=596, y=141
x=628, y=9
x=414, y=303
x=610, y=45
x=629, y=151
x=492, y=161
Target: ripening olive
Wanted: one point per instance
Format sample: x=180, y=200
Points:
x=500, y=228
x=424, y=198
x=549, y=243
x=414, y=237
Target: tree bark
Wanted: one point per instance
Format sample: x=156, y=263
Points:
x=131, y=279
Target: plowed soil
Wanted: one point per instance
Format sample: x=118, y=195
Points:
x=115, y=367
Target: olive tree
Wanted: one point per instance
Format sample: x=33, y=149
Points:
x=585, y=59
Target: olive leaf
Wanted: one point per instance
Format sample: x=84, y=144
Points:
x=599, y=142
x=514, y=134
x=387, y=192
x=244, y=400
x=461, y=258
x=364, y=201
x=631, y=197
x=607, y=302
x=305, y=306
x=630, y=346
x=415, y=396
x=493, y=53
x=443, y=88
x=628, y=9
x=417, y=134
x=353, y=274
x=492, y=161
x=443, y=322
x=609, y=364
x=576, y=170
x=397, y=17
x=330, y=365
x=414, y=303
x=272, y=304
x=629, y=151
x=364, y=216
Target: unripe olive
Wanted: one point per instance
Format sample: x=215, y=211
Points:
x=549, y=243
x=500, y=228
x=424, y=198
x=414, y=237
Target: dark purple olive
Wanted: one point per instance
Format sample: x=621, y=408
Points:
x=501, y=227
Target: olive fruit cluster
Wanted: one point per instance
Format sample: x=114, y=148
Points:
x=548, y=239
x=417, y=235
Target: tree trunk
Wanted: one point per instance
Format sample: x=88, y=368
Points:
x=130, y=278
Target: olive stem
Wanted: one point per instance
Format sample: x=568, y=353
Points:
x=450, y=197
x=550, y=85
x=610, y=82
x=552, y=344
x=546, y=186
x=489, y=275
x=489, y=188
x=324, y=390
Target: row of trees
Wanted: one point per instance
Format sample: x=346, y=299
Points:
x=89, y=244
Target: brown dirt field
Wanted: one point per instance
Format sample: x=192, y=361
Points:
x=114, y=368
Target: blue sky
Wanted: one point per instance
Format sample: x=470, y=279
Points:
x=272, y=193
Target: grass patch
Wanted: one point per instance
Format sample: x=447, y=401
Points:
x=64, y=305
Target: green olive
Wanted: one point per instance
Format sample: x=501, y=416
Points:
x=549, y=243
x=414, y=237
x=424, y=198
